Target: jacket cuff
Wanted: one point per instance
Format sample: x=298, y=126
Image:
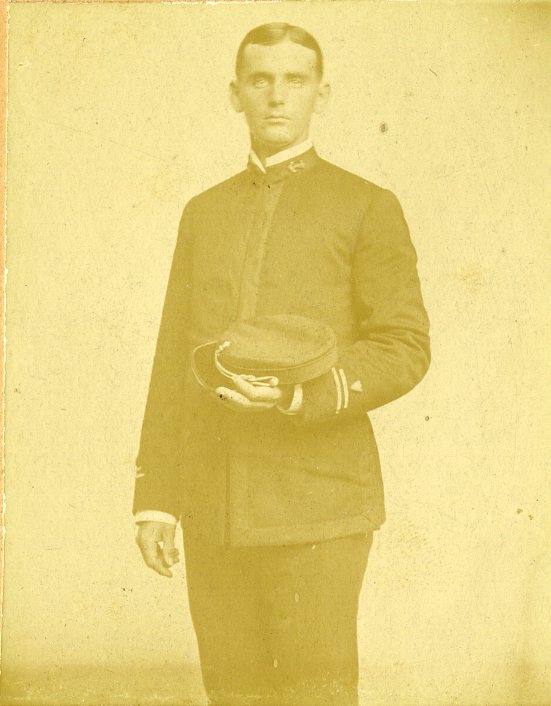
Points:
x=296, y=402
x=160, y=491
x=328, y=396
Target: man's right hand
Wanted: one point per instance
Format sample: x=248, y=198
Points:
x=156, y=543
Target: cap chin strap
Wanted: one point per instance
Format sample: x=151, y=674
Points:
x=257, y=381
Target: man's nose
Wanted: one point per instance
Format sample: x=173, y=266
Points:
x=277, y=94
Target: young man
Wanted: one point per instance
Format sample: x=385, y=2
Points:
x=278, y=489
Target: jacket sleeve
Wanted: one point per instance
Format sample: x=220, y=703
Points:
x=392, y=353
x=158, y=472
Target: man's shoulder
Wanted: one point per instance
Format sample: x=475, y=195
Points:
x=228, y=188
x=329, y=177
x=348, y=181
x=347, y=192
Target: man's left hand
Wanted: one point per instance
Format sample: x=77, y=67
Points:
x=246, y=396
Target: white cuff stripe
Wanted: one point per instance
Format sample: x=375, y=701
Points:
x=344, y=387
x=155, y=516
x=339, y=391
x=296, y=402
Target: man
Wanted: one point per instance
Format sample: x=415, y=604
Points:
x=278, y=489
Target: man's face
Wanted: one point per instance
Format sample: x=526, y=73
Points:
x=278, y=89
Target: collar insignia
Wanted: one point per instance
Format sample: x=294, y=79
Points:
x=295, y=166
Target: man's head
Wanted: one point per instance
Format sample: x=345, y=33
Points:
x=278, y=85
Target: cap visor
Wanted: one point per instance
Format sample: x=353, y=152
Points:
x=204, y=369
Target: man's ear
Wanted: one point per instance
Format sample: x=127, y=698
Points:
x=234, y=97
x=324, y=93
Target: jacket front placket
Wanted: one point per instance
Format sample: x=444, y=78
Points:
x=270, y=187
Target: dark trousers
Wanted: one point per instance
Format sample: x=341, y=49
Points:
x=277, y=625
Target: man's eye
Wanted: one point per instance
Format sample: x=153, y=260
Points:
x=296, y=82
x=260, y=82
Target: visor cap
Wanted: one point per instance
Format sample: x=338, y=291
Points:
x=280, y=349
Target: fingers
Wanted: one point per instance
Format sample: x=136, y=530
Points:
x=152, y=556
x=247, y=396
x=149, y=538
x=257, y=393
x=169, y=552
x=239, y=401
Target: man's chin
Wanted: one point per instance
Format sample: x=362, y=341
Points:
x=275, y=139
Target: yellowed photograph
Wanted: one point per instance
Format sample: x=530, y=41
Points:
x=277, y=368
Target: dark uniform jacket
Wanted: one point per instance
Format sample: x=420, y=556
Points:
x=306, y=238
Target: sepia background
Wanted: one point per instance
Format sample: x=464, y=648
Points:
x=118, y=114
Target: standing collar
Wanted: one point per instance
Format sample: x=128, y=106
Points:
x=280, y=157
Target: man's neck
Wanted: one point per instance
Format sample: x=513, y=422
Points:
x=281, y=156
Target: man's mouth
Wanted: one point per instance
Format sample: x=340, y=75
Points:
x=276, y=118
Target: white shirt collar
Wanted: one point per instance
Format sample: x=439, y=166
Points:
x=282, y=156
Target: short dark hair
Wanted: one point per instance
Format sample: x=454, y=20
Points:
x=274, y=33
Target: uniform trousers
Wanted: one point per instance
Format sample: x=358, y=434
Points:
x=277, y=625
